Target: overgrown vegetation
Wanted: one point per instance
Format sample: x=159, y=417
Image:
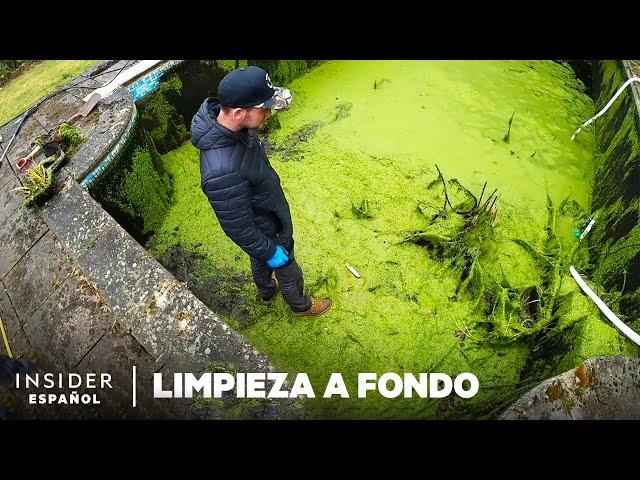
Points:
x=463, y=236
x=160, y=118
x=8, y=66
x=70, y=138
x=136, y=190
x=39, y=180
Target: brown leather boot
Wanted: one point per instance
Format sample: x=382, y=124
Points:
x=317, y=307
x=270, y=301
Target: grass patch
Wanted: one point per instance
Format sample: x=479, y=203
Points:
x=44, y=78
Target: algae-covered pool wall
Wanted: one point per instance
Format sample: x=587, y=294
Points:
x=616, y=192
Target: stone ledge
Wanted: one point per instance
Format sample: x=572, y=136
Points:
x=18, y=233
x=86, y=319
x=37, y=275
x=604, y=388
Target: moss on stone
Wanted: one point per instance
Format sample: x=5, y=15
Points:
x=146, y=191
x=283, y=72
x=134, y=188
x=227, y=65
x=160, y=118
x=70, y=136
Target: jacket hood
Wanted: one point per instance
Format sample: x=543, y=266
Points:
x=207, y=133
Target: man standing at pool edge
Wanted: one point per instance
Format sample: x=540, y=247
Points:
x=244, y=189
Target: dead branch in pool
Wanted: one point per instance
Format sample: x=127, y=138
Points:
x=444, y=186
x=466, y=241
x=506, y=137
x=470, y=194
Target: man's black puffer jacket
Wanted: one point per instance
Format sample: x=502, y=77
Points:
x=242, y=187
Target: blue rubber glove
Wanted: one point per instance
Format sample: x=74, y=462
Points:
x=279, y=258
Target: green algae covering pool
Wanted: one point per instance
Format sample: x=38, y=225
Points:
x=454, y=190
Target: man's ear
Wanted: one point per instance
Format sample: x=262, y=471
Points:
x=237, y=113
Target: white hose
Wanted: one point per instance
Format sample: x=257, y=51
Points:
x=601, y=112
x=620, y=325
x=588, y=229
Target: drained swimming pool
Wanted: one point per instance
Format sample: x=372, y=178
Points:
x=452, y=187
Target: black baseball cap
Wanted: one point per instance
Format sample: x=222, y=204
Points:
x=251, y=87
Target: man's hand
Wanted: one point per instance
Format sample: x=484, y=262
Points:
x=280, y=258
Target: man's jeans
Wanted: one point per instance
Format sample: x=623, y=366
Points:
x=290, y=279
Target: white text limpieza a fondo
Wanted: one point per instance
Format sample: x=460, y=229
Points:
x=274, y=385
